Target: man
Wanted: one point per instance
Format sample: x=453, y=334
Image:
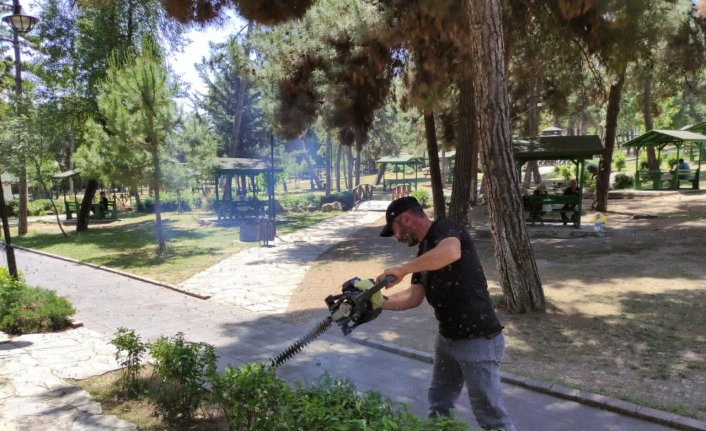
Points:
x=683, y=170
x=469, y=346
x=571, y=190
x=102, y=205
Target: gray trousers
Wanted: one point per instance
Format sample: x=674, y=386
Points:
x=476, y=363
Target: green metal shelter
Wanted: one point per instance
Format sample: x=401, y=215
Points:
x=659, y=139
x=243, y=170
x=399, y=162
x=576, y=149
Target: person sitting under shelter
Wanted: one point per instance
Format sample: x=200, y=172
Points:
x=682, y=170
x=572, y=190
x=102, y=205
x=536, y=202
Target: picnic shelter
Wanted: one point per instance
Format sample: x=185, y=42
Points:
x=399, y=164
x=233, y=201
x=576, y=149
x=657, y=179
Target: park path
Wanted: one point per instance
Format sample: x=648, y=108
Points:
x=245, y=333
x=239, y=280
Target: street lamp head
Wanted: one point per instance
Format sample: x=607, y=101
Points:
x=20, y=21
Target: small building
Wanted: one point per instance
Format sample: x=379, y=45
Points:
x=7, y=182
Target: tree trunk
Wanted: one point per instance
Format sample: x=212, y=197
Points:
x=466, y=144
x=234, y=148
x=611, y=123
x=339, y=153
x=349, y=167
x=517, y=270
x=647, y=115
x=22, y=225
x=328, y=164
x=314, y=182
x=86, y=205
x=532, y=167
x=437, y=187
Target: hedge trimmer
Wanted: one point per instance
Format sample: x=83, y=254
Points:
x=360, y=301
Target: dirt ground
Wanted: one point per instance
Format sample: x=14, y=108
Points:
x=625, y=310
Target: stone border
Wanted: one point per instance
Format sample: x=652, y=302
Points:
x=559, y=391
x=114, y=271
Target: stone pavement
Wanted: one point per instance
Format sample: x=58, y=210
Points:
x=243, y=335
x=239, y=279
x=33, y=392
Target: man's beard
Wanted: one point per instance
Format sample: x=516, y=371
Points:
x=408, y=239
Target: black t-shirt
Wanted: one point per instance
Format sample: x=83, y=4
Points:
x=458, y=292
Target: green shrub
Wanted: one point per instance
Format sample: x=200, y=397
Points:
x=9, y=291
x=13, y=207
x=31, y=309
x=564, y=170
x=346, y=198
x=619, y=161
x=672, y=161
x=129, y=352
x=623, y=181
x=183, y=368
x=422, y=196
x=254, y=399
x=171, y=201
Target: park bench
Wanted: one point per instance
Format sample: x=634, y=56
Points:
x=73, y=207
x=681, y=176
x=549, y=208
x=239, y=209
x=668, y=180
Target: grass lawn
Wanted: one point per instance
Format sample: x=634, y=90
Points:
x=130, y=244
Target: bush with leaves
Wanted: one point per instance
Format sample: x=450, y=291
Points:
x=422, y=196
x=619, y=161
x=184, y=369
x=254, y=399
x=346, y=198
x=564, y=170
x=129, y=352
x=26, y=310
x=623, y=181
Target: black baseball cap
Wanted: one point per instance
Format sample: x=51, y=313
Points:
x=397, y=207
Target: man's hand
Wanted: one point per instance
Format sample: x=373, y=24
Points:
x=396, y=272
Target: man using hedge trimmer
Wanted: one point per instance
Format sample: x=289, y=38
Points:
x=447, y=272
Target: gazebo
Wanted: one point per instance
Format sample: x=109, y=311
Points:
x=244, y=171
x=577, y=149
x=659, y=139
x=399, y=163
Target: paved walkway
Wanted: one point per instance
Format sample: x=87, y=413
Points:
x=250, y=332
x=262, y=279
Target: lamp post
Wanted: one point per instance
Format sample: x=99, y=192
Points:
x=20, y=22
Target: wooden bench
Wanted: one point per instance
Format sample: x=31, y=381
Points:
x=546, y=208
x=73, y=207
x=681, y=176
x=238, y=209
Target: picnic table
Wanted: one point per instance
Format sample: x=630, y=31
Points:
x=672, y=180
x=73, y=207
x=548, y=208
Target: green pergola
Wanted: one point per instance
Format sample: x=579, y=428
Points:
x=403, y=160
x=576, y=149
x=659, y=139
x=243, y=170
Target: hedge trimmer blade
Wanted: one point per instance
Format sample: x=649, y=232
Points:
x=295, y=347
x=348, y=310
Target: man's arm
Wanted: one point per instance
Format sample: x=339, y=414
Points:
x=406, y=299
x=445, y=253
